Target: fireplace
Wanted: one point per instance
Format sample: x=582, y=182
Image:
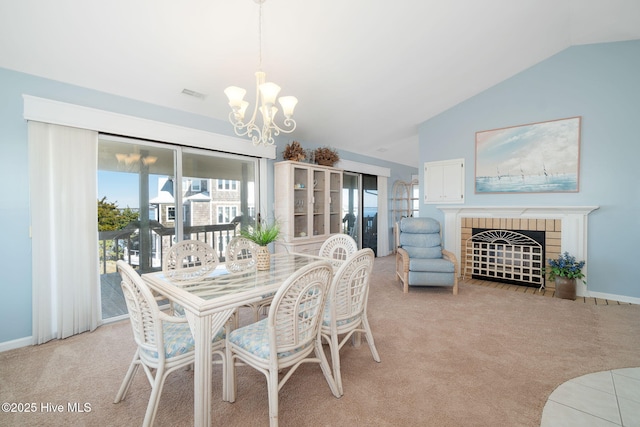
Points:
x=510, y=256
x=565, y=227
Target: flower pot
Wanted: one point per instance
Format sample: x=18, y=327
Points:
x=565, y=288
x=263, y=258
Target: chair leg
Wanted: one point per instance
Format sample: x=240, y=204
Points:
x=272, y=389
x=334, y=346
x=326, y=370
x=369, y=335
x=128, y=378
x=154, y=399
x=335, y=355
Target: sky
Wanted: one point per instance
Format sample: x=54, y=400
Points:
x=120, y=188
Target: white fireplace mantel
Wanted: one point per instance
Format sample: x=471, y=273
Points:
x=574, y=224
x=516, y=211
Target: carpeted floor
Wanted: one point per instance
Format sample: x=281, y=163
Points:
x=486, y=357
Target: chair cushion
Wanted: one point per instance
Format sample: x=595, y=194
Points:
x=425, y=278
x=254, y=338
x=419, y=225
x=178, y=340
x=440, y=265
x=326, y=318
x=421, y=245
x=420, y=237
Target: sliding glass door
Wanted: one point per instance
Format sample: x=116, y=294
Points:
x=152, y=195
x=360, y=208
x=351, y=205
x=370, y=212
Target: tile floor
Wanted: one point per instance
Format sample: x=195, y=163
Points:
x=608, y=398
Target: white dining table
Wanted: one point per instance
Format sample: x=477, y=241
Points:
x=210, y=301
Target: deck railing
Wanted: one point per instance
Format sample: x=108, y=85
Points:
x=124, y=243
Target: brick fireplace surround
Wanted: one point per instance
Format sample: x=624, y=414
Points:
x=565, y=227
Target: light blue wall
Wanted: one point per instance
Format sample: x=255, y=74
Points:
x=599, y=82
x=15, y=253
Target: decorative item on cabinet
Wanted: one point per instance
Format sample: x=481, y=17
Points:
x=326, y=156
x=294, y=152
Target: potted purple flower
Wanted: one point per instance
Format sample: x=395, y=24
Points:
x=564, y=271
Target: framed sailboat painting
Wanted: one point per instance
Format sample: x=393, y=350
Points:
x=533, y=158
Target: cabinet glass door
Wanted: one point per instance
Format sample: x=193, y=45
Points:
x=335, y=215
x=319, y=202
x=301, y=202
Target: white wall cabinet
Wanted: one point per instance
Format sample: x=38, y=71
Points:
x=308, y=201
x=444, y=181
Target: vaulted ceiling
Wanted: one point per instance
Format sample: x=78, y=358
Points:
x=366, y=72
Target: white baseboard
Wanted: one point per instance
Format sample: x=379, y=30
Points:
x=20, y=342
x=612, y=297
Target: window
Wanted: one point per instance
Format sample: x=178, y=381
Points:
x=171, y=213
x=415, y=197
x=225, y=184
x=153, y=213
x=226, y=214
x=195, y=186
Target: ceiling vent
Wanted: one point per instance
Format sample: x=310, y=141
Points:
x=194, y=93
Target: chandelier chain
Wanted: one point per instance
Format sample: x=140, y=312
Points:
x=260, y=38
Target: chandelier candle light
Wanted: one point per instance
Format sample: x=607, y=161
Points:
x=266, y=94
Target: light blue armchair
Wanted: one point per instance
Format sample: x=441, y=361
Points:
x=420, y=258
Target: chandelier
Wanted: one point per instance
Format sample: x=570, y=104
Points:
x=266, y=94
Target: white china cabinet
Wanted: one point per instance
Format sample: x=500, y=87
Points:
x=307, y=205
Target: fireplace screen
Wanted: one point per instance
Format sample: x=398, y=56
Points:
x=506, y=256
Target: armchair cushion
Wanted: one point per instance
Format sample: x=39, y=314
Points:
x=420, y=225
x=439, y=265
x=421, y=245
x=420, y=237
x=429, y=278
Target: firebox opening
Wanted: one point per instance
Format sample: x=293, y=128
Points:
x=508, y=256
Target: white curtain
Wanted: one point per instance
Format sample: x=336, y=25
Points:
x=383, y=217
x=64, y=230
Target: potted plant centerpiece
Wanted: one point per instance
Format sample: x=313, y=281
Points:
x=564, y=271
x=262, y=234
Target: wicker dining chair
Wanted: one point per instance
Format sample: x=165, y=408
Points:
x=345, y=312
x=165, y=343
x=240, y=254
x=189, y=260
x=337, y=248
x=287, y=337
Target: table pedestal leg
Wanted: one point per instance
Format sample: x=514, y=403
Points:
x=203, y=329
